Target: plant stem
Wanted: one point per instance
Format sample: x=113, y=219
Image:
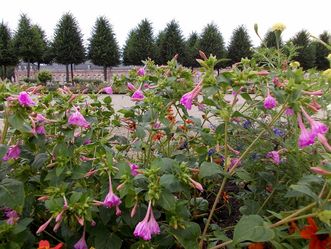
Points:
x=5, y=126
x=222, y=245
x=226, y=145
x=212, y=211
x=266, y=201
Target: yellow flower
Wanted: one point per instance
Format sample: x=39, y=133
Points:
x=278, y=27
x=327, y=73
x=295, y=64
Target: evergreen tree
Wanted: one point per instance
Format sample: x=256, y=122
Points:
x=7, y=53
x=159, y=40
x=170, y=43
x=306, y=50
x=41, y=45
x=240, y=45
x=270, y=40
x=68, y=43
x=128, y=49
x=192, y=52
x=26, y=42
x=322, y=52
x=103, y=49
x=212, y=42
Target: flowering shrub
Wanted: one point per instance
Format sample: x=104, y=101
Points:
x=246, y=170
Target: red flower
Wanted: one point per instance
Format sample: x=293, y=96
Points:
x=316, y=241
x=44, y=244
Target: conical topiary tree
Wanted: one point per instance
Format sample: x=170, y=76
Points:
x=269, y=40
x=212, y=42
x=240, y=45
x=192, y=52
x=321, y=62
x=103, y=49
x=170, y=43
x=128, y=49
x=68, y=43
x=7, y=52
x=306, y=50
x=41, y=41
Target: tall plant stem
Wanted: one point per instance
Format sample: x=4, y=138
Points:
x=5, y=126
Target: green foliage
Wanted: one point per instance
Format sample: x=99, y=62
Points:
x=42, y=53
x=306, y=50
x=269, y=40
x=321, y=62
x=212, y=42
x=7, y=52
x=240, y=45
x=140, y=44
x=192, y=52
x=171, y=42
x=44, y=76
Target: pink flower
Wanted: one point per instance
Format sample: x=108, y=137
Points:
x=81, y=244
x=263, y=73
x=25, y=100
x=78, y=119
x=138, y=95
x=316, y=126
x=314, y=93
x=40, y=130
x=274, y=155
x=40, y=118
x=87, y=141
x=134, y=169
x=108, y=90
x=141, y=71
x=111, y=200
x=12, y=217
x=269, y=102
x=187, y=99
x=44, y=226
x=131, y=87
x=12, y=153
x=148, y=226
x=306, y=137
x=289, y=112
x=320, y=171
x=196, y=184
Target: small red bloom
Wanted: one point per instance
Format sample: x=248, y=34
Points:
x=316, y=241
x=44, y=244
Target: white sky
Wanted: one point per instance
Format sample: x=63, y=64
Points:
x=192, y=15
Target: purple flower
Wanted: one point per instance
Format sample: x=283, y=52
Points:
x=289, y=112
x=278, y=132
x=25, y=100
x=40, y=130
x=40, y=118
x=87, y=141
x=134, y=169
x=12, y=217
x=111, y=200
x=141, y=71
x=78, y=119
x=148, y=226
x=13, y=152
x=324, y=142
x=131, y=87
x=274, y=155
x=187, y=99
x=138, y=95
x=247, y=124
x=108, y=90
x=81, y=244
x=306, y=137
x=269, y=102
x=316, y=126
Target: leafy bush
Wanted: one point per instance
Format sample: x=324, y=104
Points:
x=44, y=76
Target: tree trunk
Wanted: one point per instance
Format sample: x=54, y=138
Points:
x=5, y=71
x=38, y=67
x=28, y=69
x=105, y=73
x=72, y=73
x=67, y=73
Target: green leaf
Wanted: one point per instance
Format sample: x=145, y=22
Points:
x=187, y=237
x=3, y=150
x=252, y=228
x=167, y=201
x=140, y=132
x=18, y=123
x=170, y=182
x=39, y=160
x=304, y=189
x=246, y=96
x=12, y=194
x=209, y=169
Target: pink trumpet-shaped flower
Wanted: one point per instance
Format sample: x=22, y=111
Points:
x=141, y=71
x=40, y=118
x=131, y=87
x=148, y=226
x=12, y=153
x=196, y=184
x=316, y=126
x=134, y=210
x=134, y=169
x=111, y=200
x=78, y=119
x=320, y=171
x=306, y=137
x=44, y=226
x=187, y=99
x=275, y=157
x=108, y=90
x=138, y=95
x=269, y=102
x=40, y=130
x=81, y=244
x=314, y=93
x=25, y=100
x=289, y=112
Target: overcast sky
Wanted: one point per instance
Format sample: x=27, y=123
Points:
x=192, y=15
